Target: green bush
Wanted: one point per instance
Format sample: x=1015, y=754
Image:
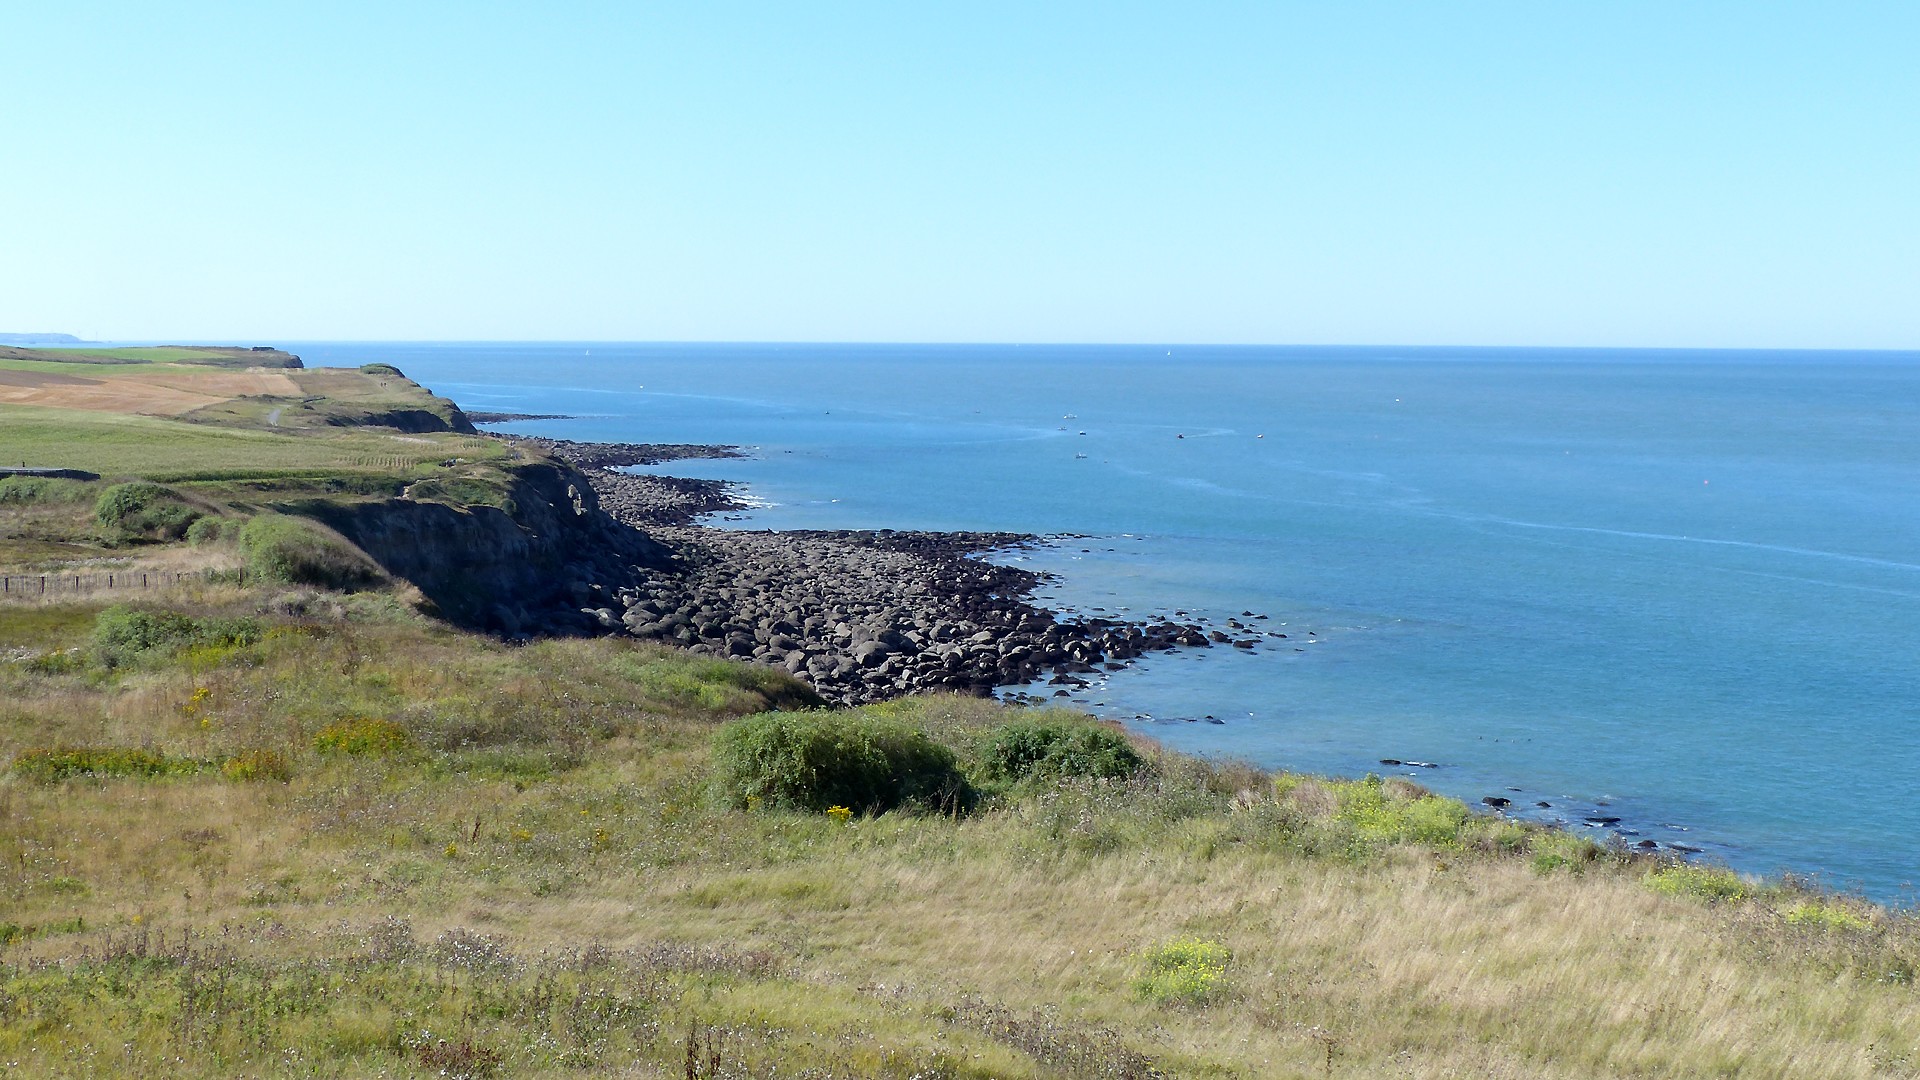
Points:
x=379, y=369
x=141, y=508
x=206, y=531
x=1383, y=813
x=21, y=490
x=1056, y=748
x=814, y=761
x=298, y=552
x=1184, y=971
x=123, y=635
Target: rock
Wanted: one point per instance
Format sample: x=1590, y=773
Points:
x=1497, y=802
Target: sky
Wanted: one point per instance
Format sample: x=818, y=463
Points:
x=1473, y=173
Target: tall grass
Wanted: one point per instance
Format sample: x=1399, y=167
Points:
x=540, y=883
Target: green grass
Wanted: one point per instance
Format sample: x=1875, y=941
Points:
x=116, y=445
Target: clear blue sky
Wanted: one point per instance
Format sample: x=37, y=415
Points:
x=1617, y=173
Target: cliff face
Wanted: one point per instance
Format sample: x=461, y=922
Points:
x=528, y=568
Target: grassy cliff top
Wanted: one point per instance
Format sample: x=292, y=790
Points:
x=224, y=438
x=166, y=418
x=207, y=355
x=244, y=830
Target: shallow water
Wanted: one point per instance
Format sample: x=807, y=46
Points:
x=1679, y=588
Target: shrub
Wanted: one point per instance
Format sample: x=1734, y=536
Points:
x=206, y=531
x=65, y=763
x=379, y=369
x=362, y=736
x=1401, y=814
x=122, y=635
x=1708, y=883
x=1184, y=971
x=1057, y=748
x=142, y=508
x=815, y=761
x=288, y=549
x=21, y=490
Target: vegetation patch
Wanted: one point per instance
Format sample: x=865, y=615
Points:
x=1054, y=748
x=715, y=686
x=817, y=761
x=1184, y=971
x=1826, y=915
x=299, y=552
x=362, y=736
x=124, y=636
x=1381, y=812
x=1706, y=883
x=257, y=765
x=51, y=766
x=142, y=509
x=26, y=490
x=54, y=765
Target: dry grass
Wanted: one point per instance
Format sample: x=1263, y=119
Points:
x=150, y=389
x=549, y=803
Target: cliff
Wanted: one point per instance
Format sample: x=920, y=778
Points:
x=528, y=562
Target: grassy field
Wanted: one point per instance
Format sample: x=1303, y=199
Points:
x=314, y=834
x=119, y=445
x=331, y=434
x=99, y=356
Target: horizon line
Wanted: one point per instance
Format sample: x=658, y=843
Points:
x=231, y=342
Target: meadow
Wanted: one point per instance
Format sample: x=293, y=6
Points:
x=292, y=832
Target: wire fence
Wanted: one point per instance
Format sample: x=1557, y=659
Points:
x=33, y=586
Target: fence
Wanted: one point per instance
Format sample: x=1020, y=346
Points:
x=32, y=586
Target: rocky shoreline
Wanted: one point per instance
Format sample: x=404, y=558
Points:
x=862, y=615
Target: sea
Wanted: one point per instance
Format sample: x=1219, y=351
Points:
x=1678, y=589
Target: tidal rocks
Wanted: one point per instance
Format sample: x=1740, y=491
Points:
x=863, y=615
x=587, y=455
x=868, y=615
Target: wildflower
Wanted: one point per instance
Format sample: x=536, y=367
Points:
x=839, y=813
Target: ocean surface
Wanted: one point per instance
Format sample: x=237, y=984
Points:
x=1677, y=588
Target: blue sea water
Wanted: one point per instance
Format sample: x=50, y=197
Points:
x=1679, y=588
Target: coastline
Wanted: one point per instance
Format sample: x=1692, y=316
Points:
x=863, y=615
x=868, y=615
